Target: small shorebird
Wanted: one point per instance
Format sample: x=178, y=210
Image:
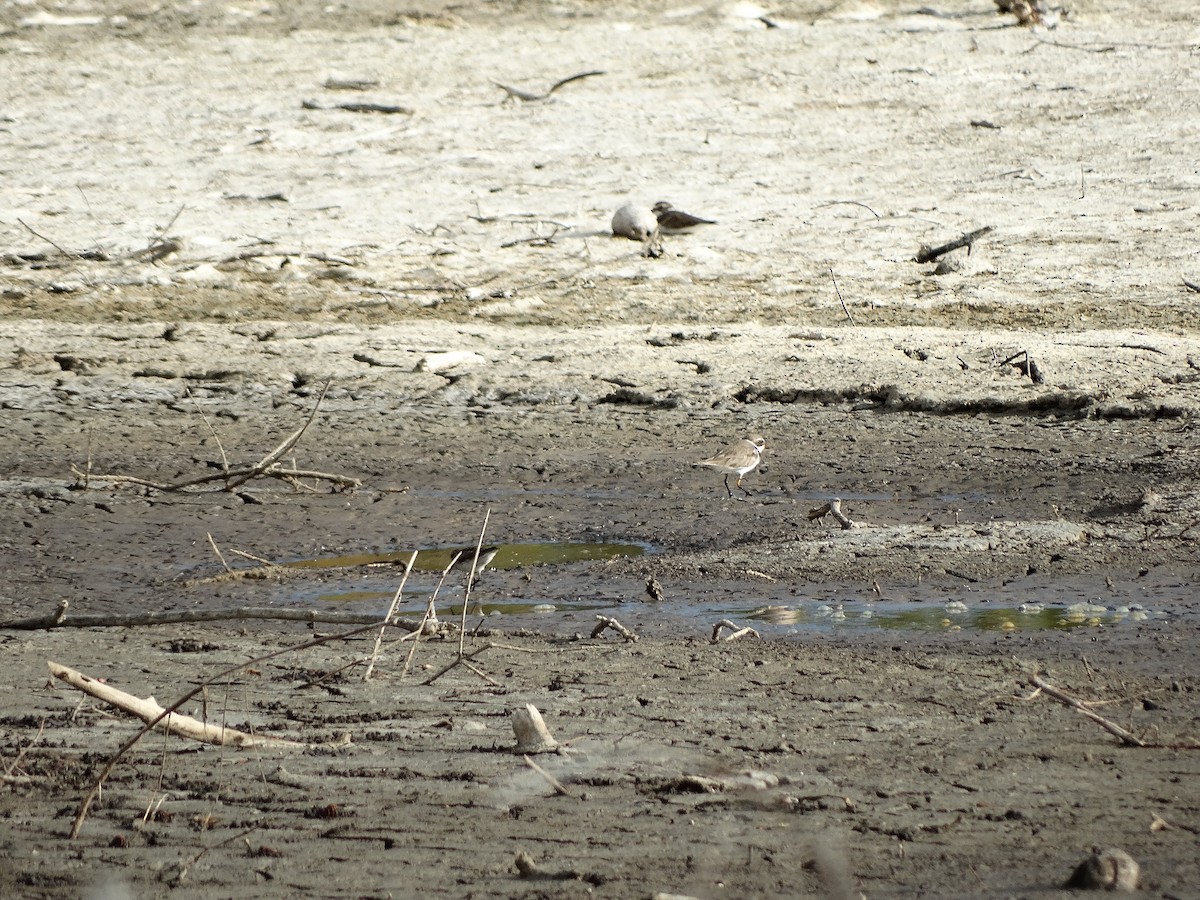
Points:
x=676, y=221
x=463, y=556
x=737, y=459
x=634, y=222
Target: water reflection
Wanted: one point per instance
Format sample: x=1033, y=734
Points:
x=951, y=616
x=508, y=556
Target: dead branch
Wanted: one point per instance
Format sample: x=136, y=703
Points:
x=473, y=576
x=1191, y=285
x=272, y=471
x=268, y=466
x=1026, y=366
x=512, y=93
x=387, y=618
x=148, y=710
x=461, y=658
x=734, y=634
x=59, y=619
x=86, y=803
x=46, y=239
x=603, y=622
x=928, y=254
x=554, y=782
x=8, y=772
x=385, y=108
x=289, y=442
x=841, y=299
x=832, y=508
x=1084, y=707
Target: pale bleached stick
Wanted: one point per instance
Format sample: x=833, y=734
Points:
x=217, y=550
x=462, y=634
x=1063, y=697
x=148, y=710
x=86, y=803
x=735, y=631
x=554, y=782
x=429, y=616
x=603, y=622
x=391, y=612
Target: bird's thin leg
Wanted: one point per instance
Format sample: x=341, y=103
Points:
x=727, y=487
x=742, y=489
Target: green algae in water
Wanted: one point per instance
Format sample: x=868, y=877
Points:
x=508, y=556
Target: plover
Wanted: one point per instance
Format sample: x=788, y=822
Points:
x=463, y=556
x=737, y=459
x=676, y=221
x=634, y=222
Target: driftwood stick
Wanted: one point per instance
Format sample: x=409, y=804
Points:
x=603, y=622
x=462, y=635
x=86, y=803
x=1082, y=706
x=59, y=619
x=273, y=471
x=46, y=239
x=217, y=550
x=832, y=508
x=554, y=782
x=289, y=442
x=928, y=254
x=841, y=299
x=734, y=634
x=456, y=661
x=391, y=612
x=8, y=772
x=148, y=710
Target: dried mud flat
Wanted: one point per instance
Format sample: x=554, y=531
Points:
x=197, y=237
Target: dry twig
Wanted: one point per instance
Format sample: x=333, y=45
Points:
x=148, y=710
x=603, y=622
x=928, y=254
x=1084, y=707
x=59, y=619
x=734, y=634
x=86, y=803
x=512, y=93
x=832, y=508
x=391, y=612
x=554, y=782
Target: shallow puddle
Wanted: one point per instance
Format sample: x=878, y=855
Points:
x=508, y=556
x=953, y=616
x=354, y=581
